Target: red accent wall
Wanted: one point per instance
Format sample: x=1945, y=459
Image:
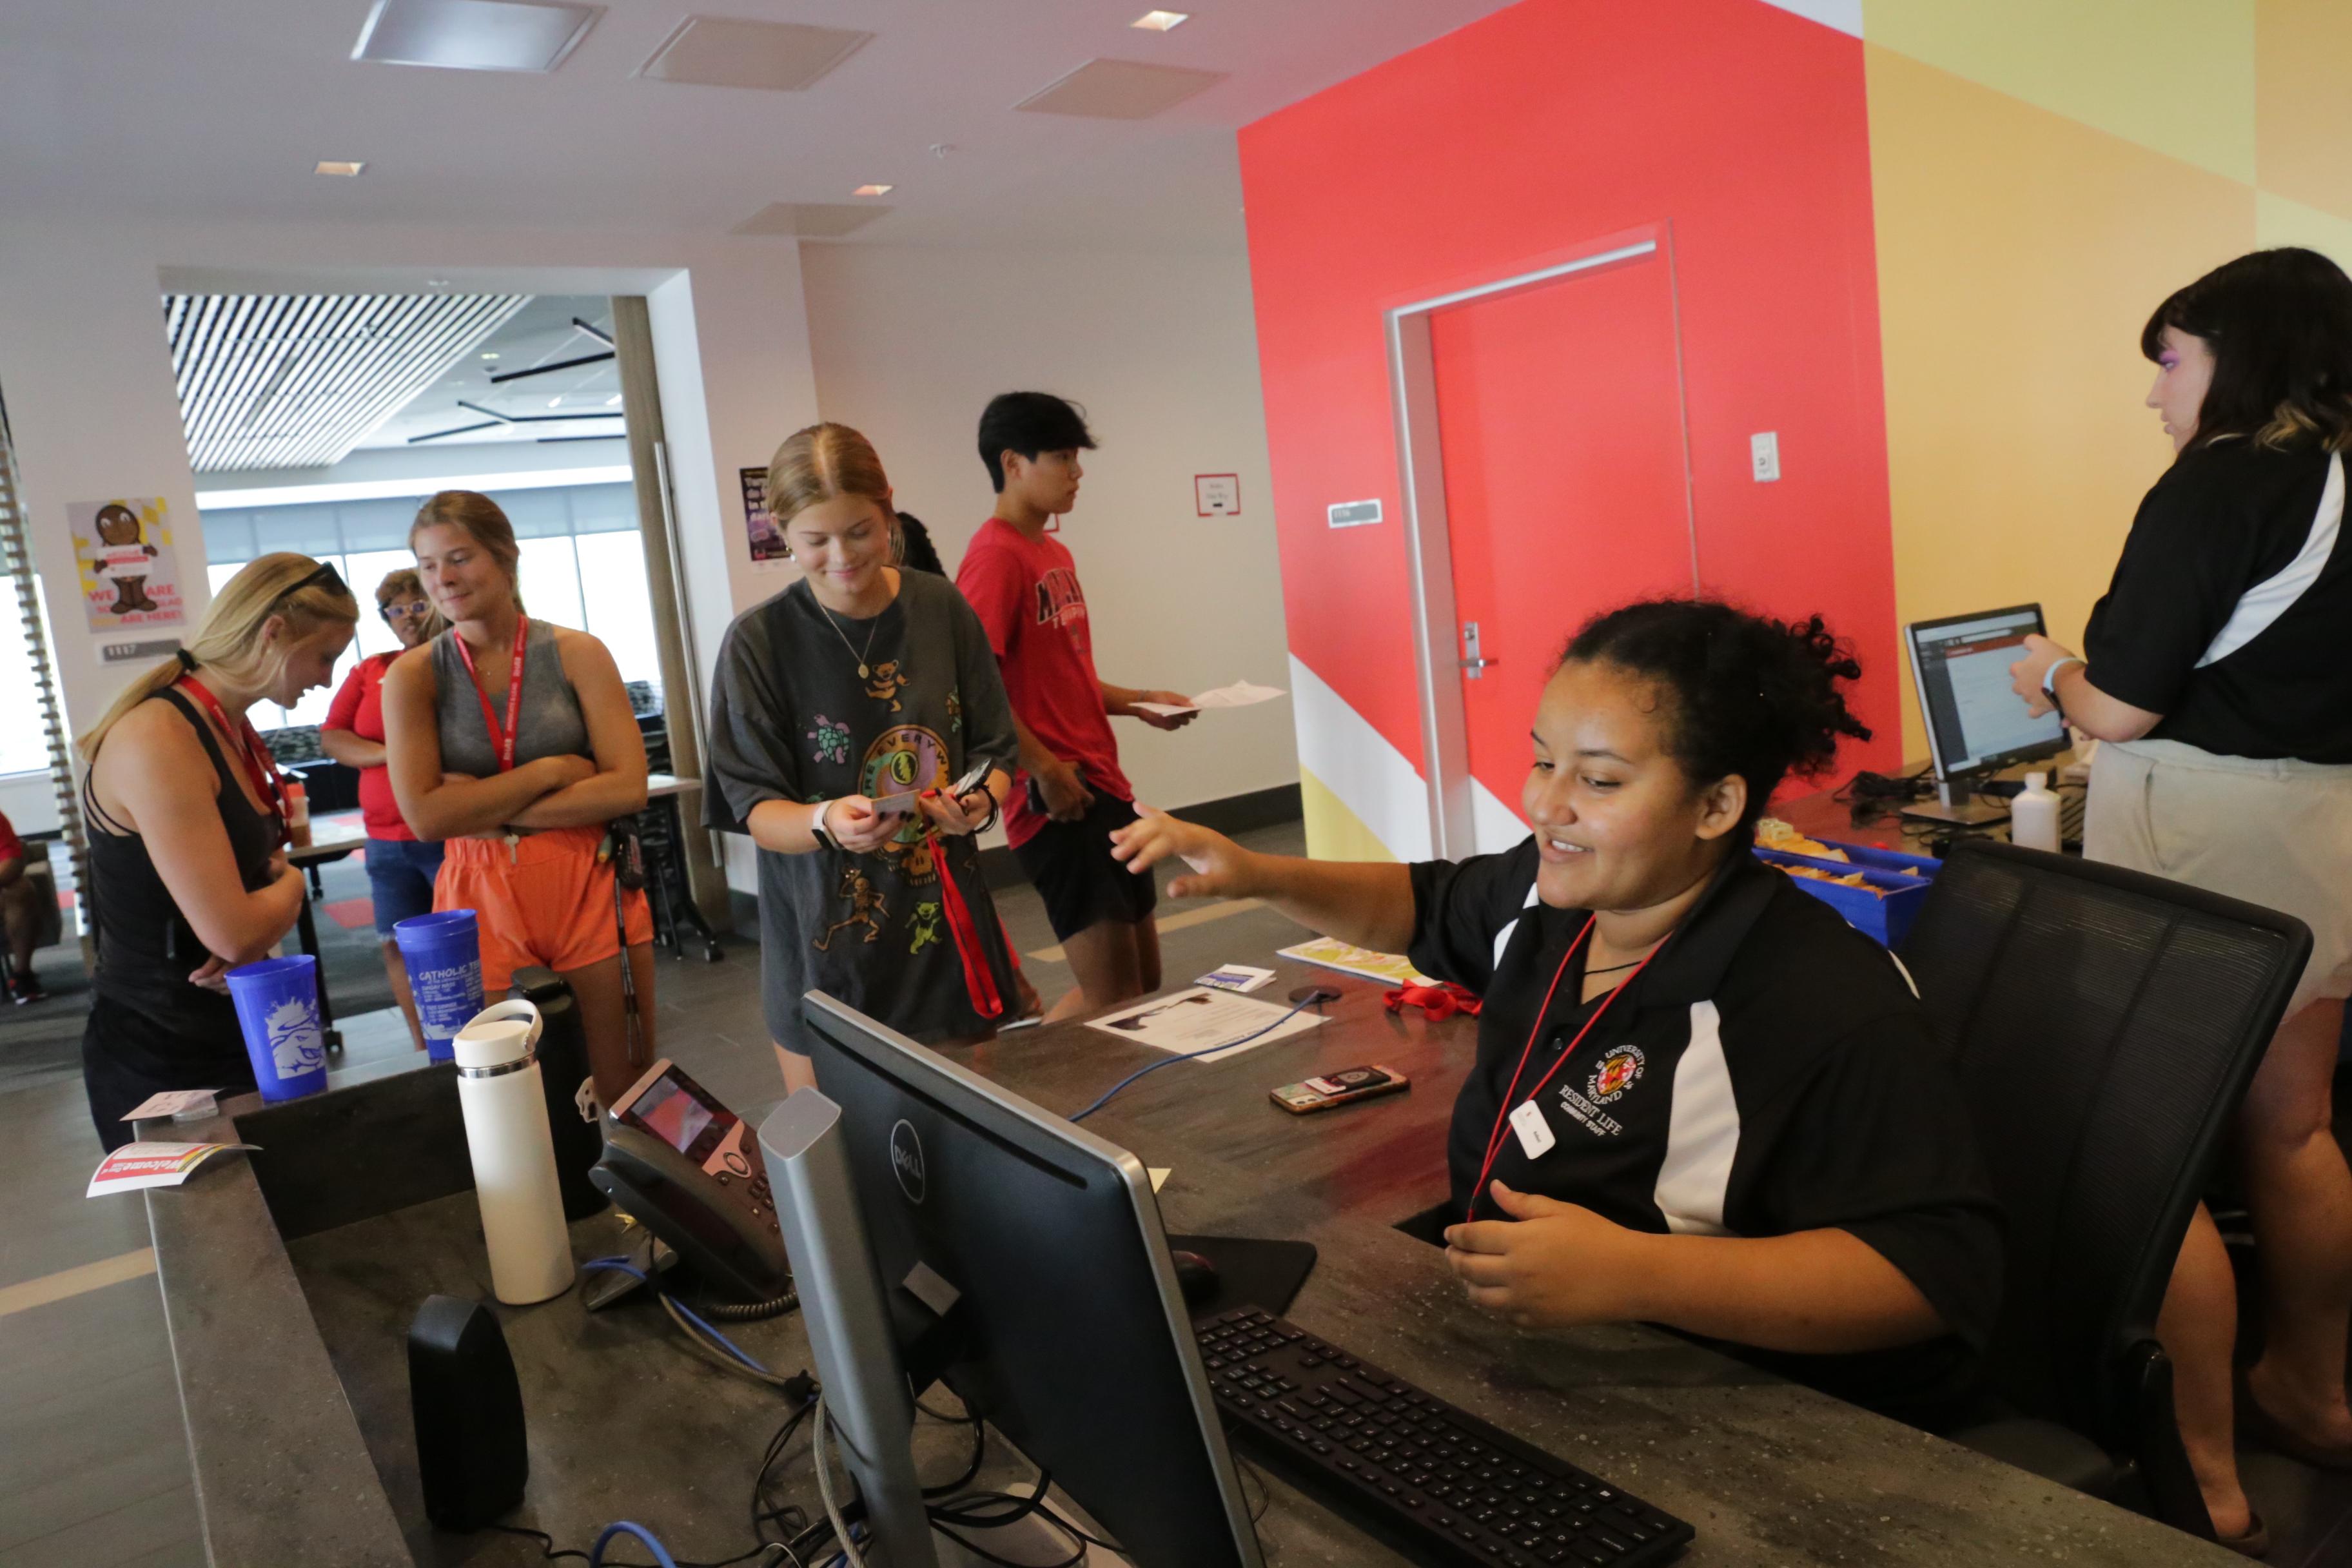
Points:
x=1543, y=127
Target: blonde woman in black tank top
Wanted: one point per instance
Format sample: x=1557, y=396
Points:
x=186, y=883
x=524, y=818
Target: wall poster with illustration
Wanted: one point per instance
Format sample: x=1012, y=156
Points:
x=129, y=570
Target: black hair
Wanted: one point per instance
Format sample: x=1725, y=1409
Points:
x=1029, y=423
x=2279, y=323
x=1749, y=696
x=920, y=552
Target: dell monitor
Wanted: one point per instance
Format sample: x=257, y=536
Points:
x=1976, y=724
x=1043, y=1279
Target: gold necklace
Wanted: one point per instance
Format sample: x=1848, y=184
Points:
x=863, y=673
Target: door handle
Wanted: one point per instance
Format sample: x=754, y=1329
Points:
x=1477, y=663
x=1473, y=662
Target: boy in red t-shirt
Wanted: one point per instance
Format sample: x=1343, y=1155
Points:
x=20, y=914
x=1069, y=794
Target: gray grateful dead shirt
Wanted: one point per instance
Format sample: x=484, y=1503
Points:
x=791, y=719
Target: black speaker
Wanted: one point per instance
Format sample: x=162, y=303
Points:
x=470, y=1450
x=562, y=1068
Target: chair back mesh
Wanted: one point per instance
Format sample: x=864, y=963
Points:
x=2106, y=1025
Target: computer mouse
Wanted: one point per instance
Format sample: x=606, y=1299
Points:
x=1195, y=1276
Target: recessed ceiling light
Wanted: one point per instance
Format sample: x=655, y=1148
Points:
x=873, y=190
x=1162, y=21
x=346, y=170
x=437, y=282
x=613, y=401
x=473, y=35
x=488, y=356
x=555, y=402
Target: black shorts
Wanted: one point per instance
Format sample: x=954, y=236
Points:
x=1082, y=885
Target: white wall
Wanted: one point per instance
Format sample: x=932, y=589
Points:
x=1161, y=349
x=87, y=375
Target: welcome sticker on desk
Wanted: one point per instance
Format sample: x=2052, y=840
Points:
x=137, y=1165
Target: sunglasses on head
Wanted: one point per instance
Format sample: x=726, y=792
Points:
x=326, y=576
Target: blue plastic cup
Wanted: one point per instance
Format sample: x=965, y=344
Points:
x=277, y=1010
x=443, y=952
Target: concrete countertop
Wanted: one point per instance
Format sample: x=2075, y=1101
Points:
x=291, y=1355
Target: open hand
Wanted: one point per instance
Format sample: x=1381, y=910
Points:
x=1551, y=1264
x=857, y=826
x=1166, y=721
x=1220, y=866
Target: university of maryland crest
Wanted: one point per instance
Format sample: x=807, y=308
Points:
x=1618, y=1071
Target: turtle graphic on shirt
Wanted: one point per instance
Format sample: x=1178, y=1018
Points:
x=832, y=740
x=125, y=559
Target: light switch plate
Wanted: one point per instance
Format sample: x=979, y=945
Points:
x=1764, y=454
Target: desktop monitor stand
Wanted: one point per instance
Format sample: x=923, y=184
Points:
x=1956, y=803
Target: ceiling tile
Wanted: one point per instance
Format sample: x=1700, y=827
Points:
x=473, y=35
x=1120, y=90
x=726, y=51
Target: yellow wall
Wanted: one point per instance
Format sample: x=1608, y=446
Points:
x=2045, y=172
x=1333, y=832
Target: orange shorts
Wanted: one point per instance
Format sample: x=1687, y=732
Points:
x=547, y=901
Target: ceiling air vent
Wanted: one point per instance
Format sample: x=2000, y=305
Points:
x=1120, y=90
x=811, y=220
x=724, y=51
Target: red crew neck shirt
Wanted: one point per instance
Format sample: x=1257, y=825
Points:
x=1027, y=592
x=359, y=708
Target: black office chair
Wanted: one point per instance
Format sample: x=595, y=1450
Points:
x=2106, y=1025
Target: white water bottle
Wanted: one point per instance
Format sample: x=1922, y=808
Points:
x=2033, y=816
x=514, y=1154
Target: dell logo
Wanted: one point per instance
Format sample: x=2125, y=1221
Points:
x=906, y=1160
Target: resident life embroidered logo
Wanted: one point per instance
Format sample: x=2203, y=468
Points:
x=1618, y=1070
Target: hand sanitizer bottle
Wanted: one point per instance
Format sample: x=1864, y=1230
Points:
x=2033, y=814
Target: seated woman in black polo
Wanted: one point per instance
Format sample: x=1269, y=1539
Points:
x=1701, y=1099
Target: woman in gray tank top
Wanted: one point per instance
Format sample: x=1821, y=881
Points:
x=513, y=740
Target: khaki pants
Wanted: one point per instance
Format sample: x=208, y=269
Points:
x=2277, y=833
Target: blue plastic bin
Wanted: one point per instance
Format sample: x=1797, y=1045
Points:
x=1886, y=914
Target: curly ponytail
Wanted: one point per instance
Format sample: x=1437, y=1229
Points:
x=1749, y=696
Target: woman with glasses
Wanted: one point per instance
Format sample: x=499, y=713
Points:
x=513, y=740
x=188, y=882
x=401, y=866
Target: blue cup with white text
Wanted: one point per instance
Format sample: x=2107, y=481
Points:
x=278, y=1012
x=443, y=954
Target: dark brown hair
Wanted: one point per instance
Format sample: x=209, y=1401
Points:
x=2279, y=323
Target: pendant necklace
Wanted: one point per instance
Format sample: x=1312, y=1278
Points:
x=863, y=673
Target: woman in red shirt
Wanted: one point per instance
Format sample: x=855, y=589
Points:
x=400, y=866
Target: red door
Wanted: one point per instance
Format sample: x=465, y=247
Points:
x=1560, y=413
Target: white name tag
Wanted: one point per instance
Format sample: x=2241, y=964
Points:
x=1534, y=1137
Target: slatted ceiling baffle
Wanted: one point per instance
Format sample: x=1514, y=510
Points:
x=296, y=381
x=16, y=561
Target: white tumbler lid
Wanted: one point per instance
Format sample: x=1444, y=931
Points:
x=500, y=1035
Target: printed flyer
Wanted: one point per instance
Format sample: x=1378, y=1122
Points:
x=129, y=572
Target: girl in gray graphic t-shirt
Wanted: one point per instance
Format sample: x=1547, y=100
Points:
x=844, y=710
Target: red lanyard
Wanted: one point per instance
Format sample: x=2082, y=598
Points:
x=259, y=767
x=1503, y=1114
x=978, y=983
x=504, y=740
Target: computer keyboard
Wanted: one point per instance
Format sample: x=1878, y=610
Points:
x=1435, y=1477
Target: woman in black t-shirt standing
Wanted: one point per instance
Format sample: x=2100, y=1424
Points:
x=2218, y=678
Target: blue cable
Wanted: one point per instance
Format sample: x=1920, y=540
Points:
x=645, y=1536
x=1188, y=1055
x=623, y=1266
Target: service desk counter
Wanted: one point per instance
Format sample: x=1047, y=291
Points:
x=290, y=1277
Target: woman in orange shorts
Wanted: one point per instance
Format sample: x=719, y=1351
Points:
x=514, y=740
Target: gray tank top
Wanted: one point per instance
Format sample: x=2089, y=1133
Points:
x=551, y=724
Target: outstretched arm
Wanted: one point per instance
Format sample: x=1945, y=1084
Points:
x=1365, y=902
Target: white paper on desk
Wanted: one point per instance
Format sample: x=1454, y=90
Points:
x=1240, y=694
x=1197, y=1019
x=136, y=1166
x=181, y=1104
